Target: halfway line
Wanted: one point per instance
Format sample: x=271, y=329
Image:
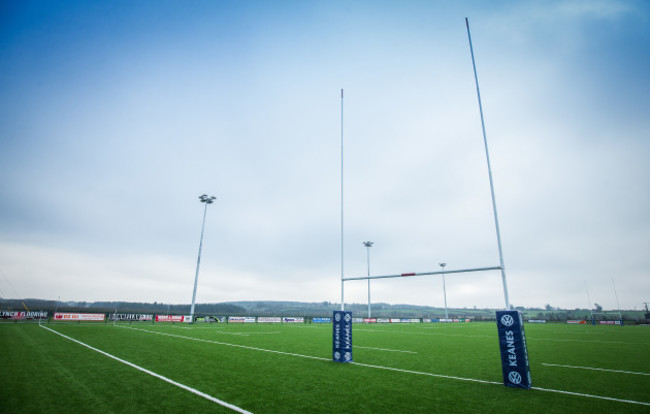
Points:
x=153, y=374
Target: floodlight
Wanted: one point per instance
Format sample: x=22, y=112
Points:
x=207, y=200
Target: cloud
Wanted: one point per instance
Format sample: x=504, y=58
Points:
x=106, y=144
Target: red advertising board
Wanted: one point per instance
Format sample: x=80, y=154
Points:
x=172, y=318
x=67, y=316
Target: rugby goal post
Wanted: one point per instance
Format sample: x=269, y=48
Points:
x=512, y=339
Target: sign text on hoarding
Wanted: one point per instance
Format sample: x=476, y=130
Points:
x=19, y=315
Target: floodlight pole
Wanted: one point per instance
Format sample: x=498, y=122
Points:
x=207, y=200
x=368, y=245
x=591, y=312
x=620, y=316
x=444, y=290
x=487, y=155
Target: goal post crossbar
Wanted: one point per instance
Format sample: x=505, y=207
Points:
x=439, y=272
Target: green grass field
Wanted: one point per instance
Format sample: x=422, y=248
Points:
x=421, y=368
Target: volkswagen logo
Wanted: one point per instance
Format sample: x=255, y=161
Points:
x=347, y=317
x=337, y=356
x=347, y=356
x=507, y=320
x=514, y=377
x=337, y=317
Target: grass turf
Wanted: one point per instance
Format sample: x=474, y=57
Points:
x=44, y=372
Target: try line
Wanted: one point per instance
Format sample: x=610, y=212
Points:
x=153, y=374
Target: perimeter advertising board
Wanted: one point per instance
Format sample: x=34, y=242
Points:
x=264, y=319
x=210, y=319
x=610, y=322
x=321, y=320
x=173, y=318
x=293, y=320
x=241, y=319
x=67, y=316
x=342, y=336
x=130, y=317
x=514, y=354
x=20, y=315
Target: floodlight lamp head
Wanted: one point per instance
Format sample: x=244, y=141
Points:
x=368, y=243
x=208, y=200
x=442, y=265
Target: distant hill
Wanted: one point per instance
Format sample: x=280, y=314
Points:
x=121, y=307
x=307, y=309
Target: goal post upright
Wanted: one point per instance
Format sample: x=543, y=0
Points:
x=515, y=365
x=487, y=156
x=342, y=252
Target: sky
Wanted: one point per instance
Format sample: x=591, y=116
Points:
x=115, y=116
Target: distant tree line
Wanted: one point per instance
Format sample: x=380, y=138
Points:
x=311, y=309
x=121, y=307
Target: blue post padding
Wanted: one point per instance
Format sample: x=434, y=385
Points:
x=342, y=336
x=514, y=353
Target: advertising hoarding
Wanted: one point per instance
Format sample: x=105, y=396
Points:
x=291, y=319
x=130, y=317
x=68, y=316
x=268, y=319
x=22, y=315
x=321, y=320
x=241, y=319
x=173, y=318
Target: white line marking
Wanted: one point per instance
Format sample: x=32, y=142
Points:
x=598, y=397
x=596, y=369
x=153, y=374
x=385, y=349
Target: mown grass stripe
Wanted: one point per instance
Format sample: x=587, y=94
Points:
x=226, y=344
x=153, y=374
x=429, y=374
